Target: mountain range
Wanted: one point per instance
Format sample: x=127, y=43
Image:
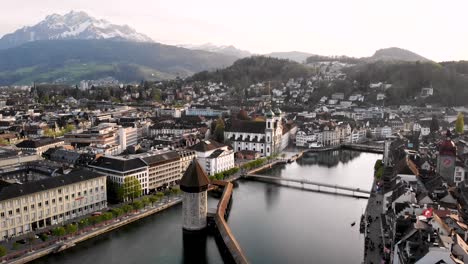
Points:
x=75, y=46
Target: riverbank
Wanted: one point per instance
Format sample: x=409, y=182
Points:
x=60, y=245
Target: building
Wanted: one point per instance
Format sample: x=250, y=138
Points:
x=118, y=169
x=262, y=136
x=304, y=138
x=213, y=156
x=128, y=136
x=164, y=169
x=206, y=111
x=40, y=145
x=446, y=159
x=194, y=184
x=38, y=204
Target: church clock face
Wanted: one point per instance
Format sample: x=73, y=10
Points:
x=447, y=162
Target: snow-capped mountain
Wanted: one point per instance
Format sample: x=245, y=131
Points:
x=225, y=49
x=73, y=25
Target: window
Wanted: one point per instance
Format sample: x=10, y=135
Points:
x=39, y=204
x=25, y=208
x=53, y=201
x=17, y=210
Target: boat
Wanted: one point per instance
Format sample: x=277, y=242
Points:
x=353, y=223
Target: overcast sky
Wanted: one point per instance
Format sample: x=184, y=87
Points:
x=435, y=29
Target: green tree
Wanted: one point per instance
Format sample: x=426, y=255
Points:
x=378, y=164
x=156, y=94
x=145, y=201
x=83, y=223
x=434, y=126
x=137, y=205
x=460, y=124
x=59, y=231
x=160, y=195
x=127, y=208
x=107, y=216
x=71, y=229
x=153, y=199
x=117, y=212
x=218, y=134
x=3, y=251
x=130, y=189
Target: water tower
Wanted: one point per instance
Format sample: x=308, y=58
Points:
x=194, y=184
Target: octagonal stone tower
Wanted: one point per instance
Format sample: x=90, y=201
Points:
x=194, y=184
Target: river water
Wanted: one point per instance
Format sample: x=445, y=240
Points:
x=273, y=224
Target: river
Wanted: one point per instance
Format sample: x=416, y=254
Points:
x=273, y=224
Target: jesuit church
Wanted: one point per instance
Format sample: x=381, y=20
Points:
x=266, y=137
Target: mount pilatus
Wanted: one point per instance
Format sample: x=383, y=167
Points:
x=73, y=25
x=75, y=46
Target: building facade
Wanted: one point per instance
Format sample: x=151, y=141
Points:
x=39, y=204
x=214, y=157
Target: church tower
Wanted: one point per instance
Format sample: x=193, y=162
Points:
x=269, y=133
x=194, y=184
x=446, y=159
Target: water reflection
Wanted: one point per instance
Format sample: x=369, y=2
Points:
x=328, y=158
x=194, y=247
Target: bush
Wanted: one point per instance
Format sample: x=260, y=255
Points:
x=3, y=251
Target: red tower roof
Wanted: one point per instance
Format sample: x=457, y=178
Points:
x=448, y=148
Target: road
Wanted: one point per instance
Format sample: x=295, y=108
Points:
x=374, y=235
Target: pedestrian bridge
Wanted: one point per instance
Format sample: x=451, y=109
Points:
x=320, y=187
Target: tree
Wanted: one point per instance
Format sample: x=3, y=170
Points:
x=460, y=124
x=127, y=208
x=83, y=223
x=59, y=231
x=71, y=229
x=219, y=130
x=153, y=199
x=145, y=201
x=130, y=189
x=156, y=94
x=434, y=126
x=117, y=212
x=3, y=251
x=137, y=205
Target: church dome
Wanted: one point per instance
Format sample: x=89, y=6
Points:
x=277, y=111
x=269, y=113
